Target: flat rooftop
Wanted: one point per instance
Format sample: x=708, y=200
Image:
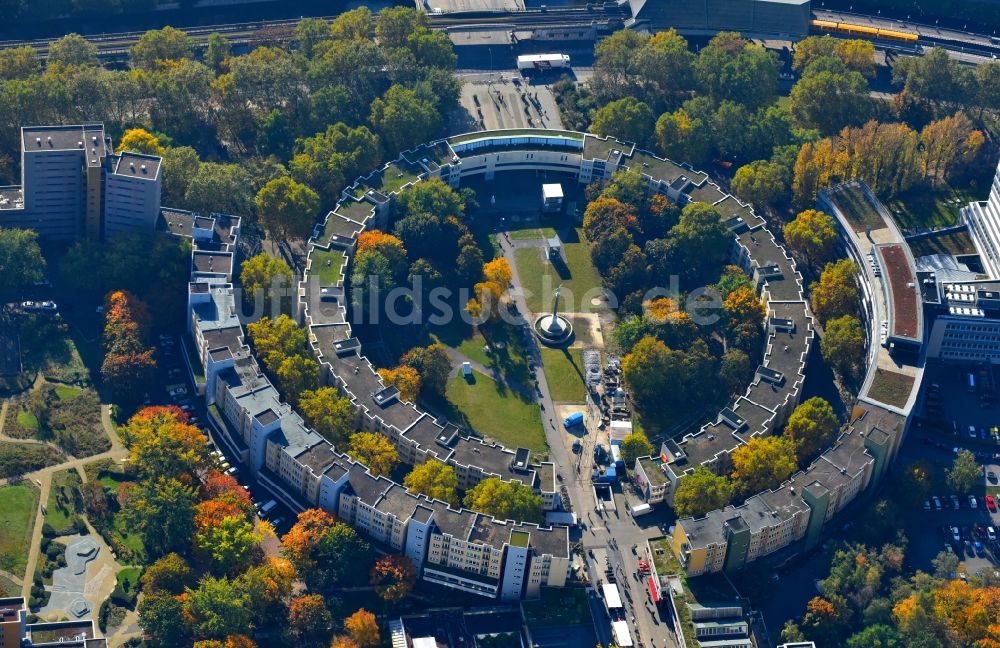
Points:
x=212, y=262
x=653, y=468
x=64, y=138
x=137, y=165
x=906, y=318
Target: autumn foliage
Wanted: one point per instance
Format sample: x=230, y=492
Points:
x=405, y=379
x=377, y=240
x=162, y=444
x=363, y=628
x=393, y=577
x=129, y=362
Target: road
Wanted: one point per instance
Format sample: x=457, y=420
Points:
x=615, y=531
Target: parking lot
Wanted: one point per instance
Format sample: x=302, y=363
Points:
x=951, y=401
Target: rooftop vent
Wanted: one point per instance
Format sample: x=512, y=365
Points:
x=38, y=140
x=79, y=144
x=142, y=167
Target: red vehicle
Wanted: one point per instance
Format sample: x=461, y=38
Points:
x=991, y=503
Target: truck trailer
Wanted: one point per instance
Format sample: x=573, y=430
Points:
x=542, y=61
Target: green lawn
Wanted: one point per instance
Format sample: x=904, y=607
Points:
x=930, y=208
x=493, y=410
x=326, y=265
x=578, y=277
x=27, y=420
x=530, y=233
x=564, y=374
x=663, y=557
x=8, y=587
x=65, y=392
x=61, y=505
x=128, y=578
x=17, y=517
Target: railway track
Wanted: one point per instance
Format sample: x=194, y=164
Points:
x=237, y=33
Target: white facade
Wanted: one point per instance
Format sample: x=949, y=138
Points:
x=983, y=219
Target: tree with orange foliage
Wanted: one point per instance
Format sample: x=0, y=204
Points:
x=363, y=628
x=161, y=445
x=218, y=485
x=343, y=642
x=405, y=379
x=308, y=618
x=210, y=513
x=488, y=295
x=378, y=240
x=393, y=577
x=324, y=551
x=129, y=363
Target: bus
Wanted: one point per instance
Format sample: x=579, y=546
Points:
x=542, y=61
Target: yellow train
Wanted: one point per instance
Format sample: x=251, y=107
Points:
x=864, y=31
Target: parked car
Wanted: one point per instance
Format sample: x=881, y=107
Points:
x=991, y=534
x=927, y=505
x=991, y=503
x=972, y=431
x=955, y=534
x=937, y=503
x=954, y=502
x=972, y=502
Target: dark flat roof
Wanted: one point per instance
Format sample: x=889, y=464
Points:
x=137, y=165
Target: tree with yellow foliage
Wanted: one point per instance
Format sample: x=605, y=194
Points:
x=375, y=451
x=405, y=379
x=139, y=140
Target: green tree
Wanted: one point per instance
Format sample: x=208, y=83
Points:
x=811, y=427
x=836, y=292
x=276, y=339
x=732, y=68
x=634, y=446
x=219, y=608
x=328, y=413
x=843, y=344
x=763, y=463
x=309, y=32
x=627, y=119
x=222, y=188
x=159, y=45
x=829, y=101
x=664, y=66
x=72, y=50
x=18, y=62
x=216, y=51
x=21, y=261
x=965, y=473
x=263, y=276
x=375, y=451
x=403, y=118
x=434, y=479
x=355, y=24
x=180, y=165
x=295, y=375
x=701, y=237
x=813, y=234
x=393, y=577
x=162, y=619
x=734, y=369
x=326, y=553
x=168, y=575
x=230, y=544
x=505, y=500
x=162, y=511
x=761, y=183
x=287, y=209
x=934, y=76
x=328, y=160
x=682, y=136
x=700, y=492
x=433, y=364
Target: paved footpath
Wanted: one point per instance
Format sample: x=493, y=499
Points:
x=43, y=480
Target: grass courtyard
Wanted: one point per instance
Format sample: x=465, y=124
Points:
x=17, y=516
x=931, y=208
x=540, y=278
x=565, y=374
x=495, y=411
x=326, y=265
